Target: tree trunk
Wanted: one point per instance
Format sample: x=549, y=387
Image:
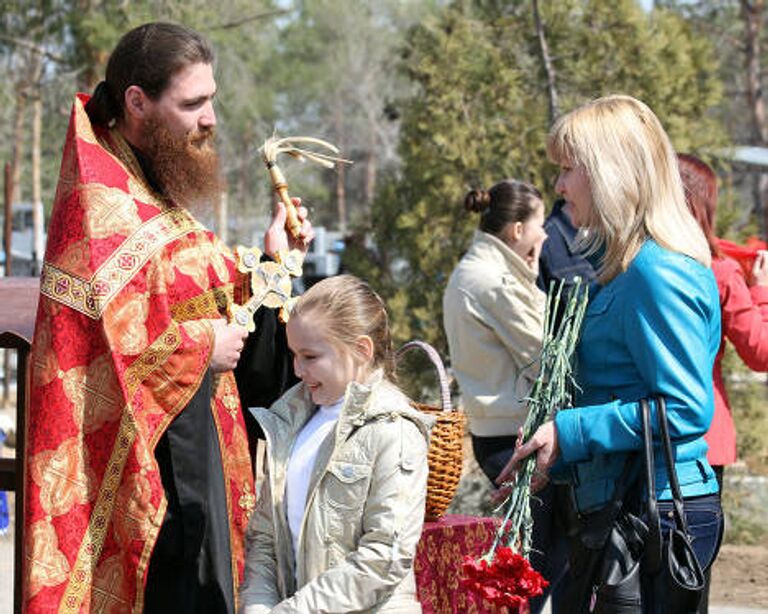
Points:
x=38, y=245
x=221, y=216
x=371, y=162
x=752, y=13
x=18, y=143
x=341, y=194
x=370, y=176
x=549, y=69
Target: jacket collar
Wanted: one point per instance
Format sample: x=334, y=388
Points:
x=560, y=220
x=295, y=408
x=486, y=243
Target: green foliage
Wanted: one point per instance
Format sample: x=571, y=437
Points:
x=480, y=114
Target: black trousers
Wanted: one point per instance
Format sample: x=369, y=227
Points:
x=190, y=569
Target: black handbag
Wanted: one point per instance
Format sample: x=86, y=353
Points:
x=620, y=563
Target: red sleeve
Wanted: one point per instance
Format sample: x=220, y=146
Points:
x=745, y=314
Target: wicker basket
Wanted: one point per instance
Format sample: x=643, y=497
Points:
x=446, y=452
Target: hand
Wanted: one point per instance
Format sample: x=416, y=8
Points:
x=544, y=444
x=278, y=238
x=760, y=269
x=228, y=341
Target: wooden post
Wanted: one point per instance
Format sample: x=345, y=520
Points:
x=8, y=226
x=7, y=230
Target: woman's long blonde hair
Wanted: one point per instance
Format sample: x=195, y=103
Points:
x=634, y=178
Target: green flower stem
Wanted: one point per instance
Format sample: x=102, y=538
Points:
x=551, y=392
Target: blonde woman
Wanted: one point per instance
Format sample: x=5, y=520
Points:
x=653, y=323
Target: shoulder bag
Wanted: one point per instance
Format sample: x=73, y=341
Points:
x=624, y=565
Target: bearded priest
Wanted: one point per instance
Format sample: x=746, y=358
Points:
x=139, y=478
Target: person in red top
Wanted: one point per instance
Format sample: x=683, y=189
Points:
x=744, y=315
x=744, y=304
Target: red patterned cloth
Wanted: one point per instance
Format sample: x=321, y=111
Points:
x=122, y=342
x=438, y=563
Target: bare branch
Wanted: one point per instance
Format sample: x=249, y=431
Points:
x=236, y=24
x=34, y=47
x=549, y=68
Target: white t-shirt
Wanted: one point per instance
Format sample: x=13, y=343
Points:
x=302, y=462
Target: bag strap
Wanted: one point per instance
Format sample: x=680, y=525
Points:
x=674, y=484
x=652, y=554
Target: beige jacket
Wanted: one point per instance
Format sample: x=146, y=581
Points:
x=364, y=512
x=493, y=317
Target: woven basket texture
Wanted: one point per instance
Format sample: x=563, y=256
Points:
x=445, y=458
x=446, y=449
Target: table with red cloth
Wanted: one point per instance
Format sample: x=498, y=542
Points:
x=439, y=557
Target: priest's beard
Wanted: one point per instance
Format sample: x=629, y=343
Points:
x=186, y=166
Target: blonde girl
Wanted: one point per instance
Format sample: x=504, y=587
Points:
x=342, y=505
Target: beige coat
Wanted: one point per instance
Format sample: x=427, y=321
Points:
x=364, y=512
x=494, y=319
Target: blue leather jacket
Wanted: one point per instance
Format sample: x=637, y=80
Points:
x=654, y=329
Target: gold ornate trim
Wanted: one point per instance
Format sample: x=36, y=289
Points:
x=89, y=553
x=225, y=468
x=204, y=305
x=156, y=354
x=146, y=552
x=91, y=296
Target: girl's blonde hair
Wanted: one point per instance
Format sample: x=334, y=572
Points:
x=349, y=308
x=634, y=180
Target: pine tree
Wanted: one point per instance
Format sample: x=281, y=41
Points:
x=480, y=114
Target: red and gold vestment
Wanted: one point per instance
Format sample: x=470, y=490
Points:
x=121, y=345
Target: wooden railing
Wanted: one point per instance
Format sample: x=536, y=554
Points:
x=18, y=308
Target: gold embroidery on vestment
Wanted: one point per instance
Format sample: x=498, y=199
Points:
x=108, y=586
x=84, y=129
x=209, y=304
x=127, y=320
x=63, y=476
x=80, y=580
x=133, y=511
x=91, y=296
x=153, y=357
x=108, y=211
x=94, y=393
x=46, y=564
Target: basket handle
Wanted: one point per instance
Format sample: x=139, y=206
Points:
x=445, y=394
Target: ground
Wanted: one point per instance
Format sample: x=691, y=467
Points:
x=740, y=574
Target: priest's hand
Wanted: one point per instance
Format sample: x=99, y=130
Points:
x=227, y=344
x=277, y=236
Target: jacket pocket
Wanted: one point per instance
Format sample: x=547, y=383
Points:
x=346, y=485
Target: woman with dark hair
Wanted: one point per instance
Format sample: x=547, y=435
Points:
x=494, y=318
x=743, y=304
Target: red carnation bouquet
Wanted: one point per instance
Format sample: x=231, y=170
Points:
x=504, y=576
x=508, y=579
